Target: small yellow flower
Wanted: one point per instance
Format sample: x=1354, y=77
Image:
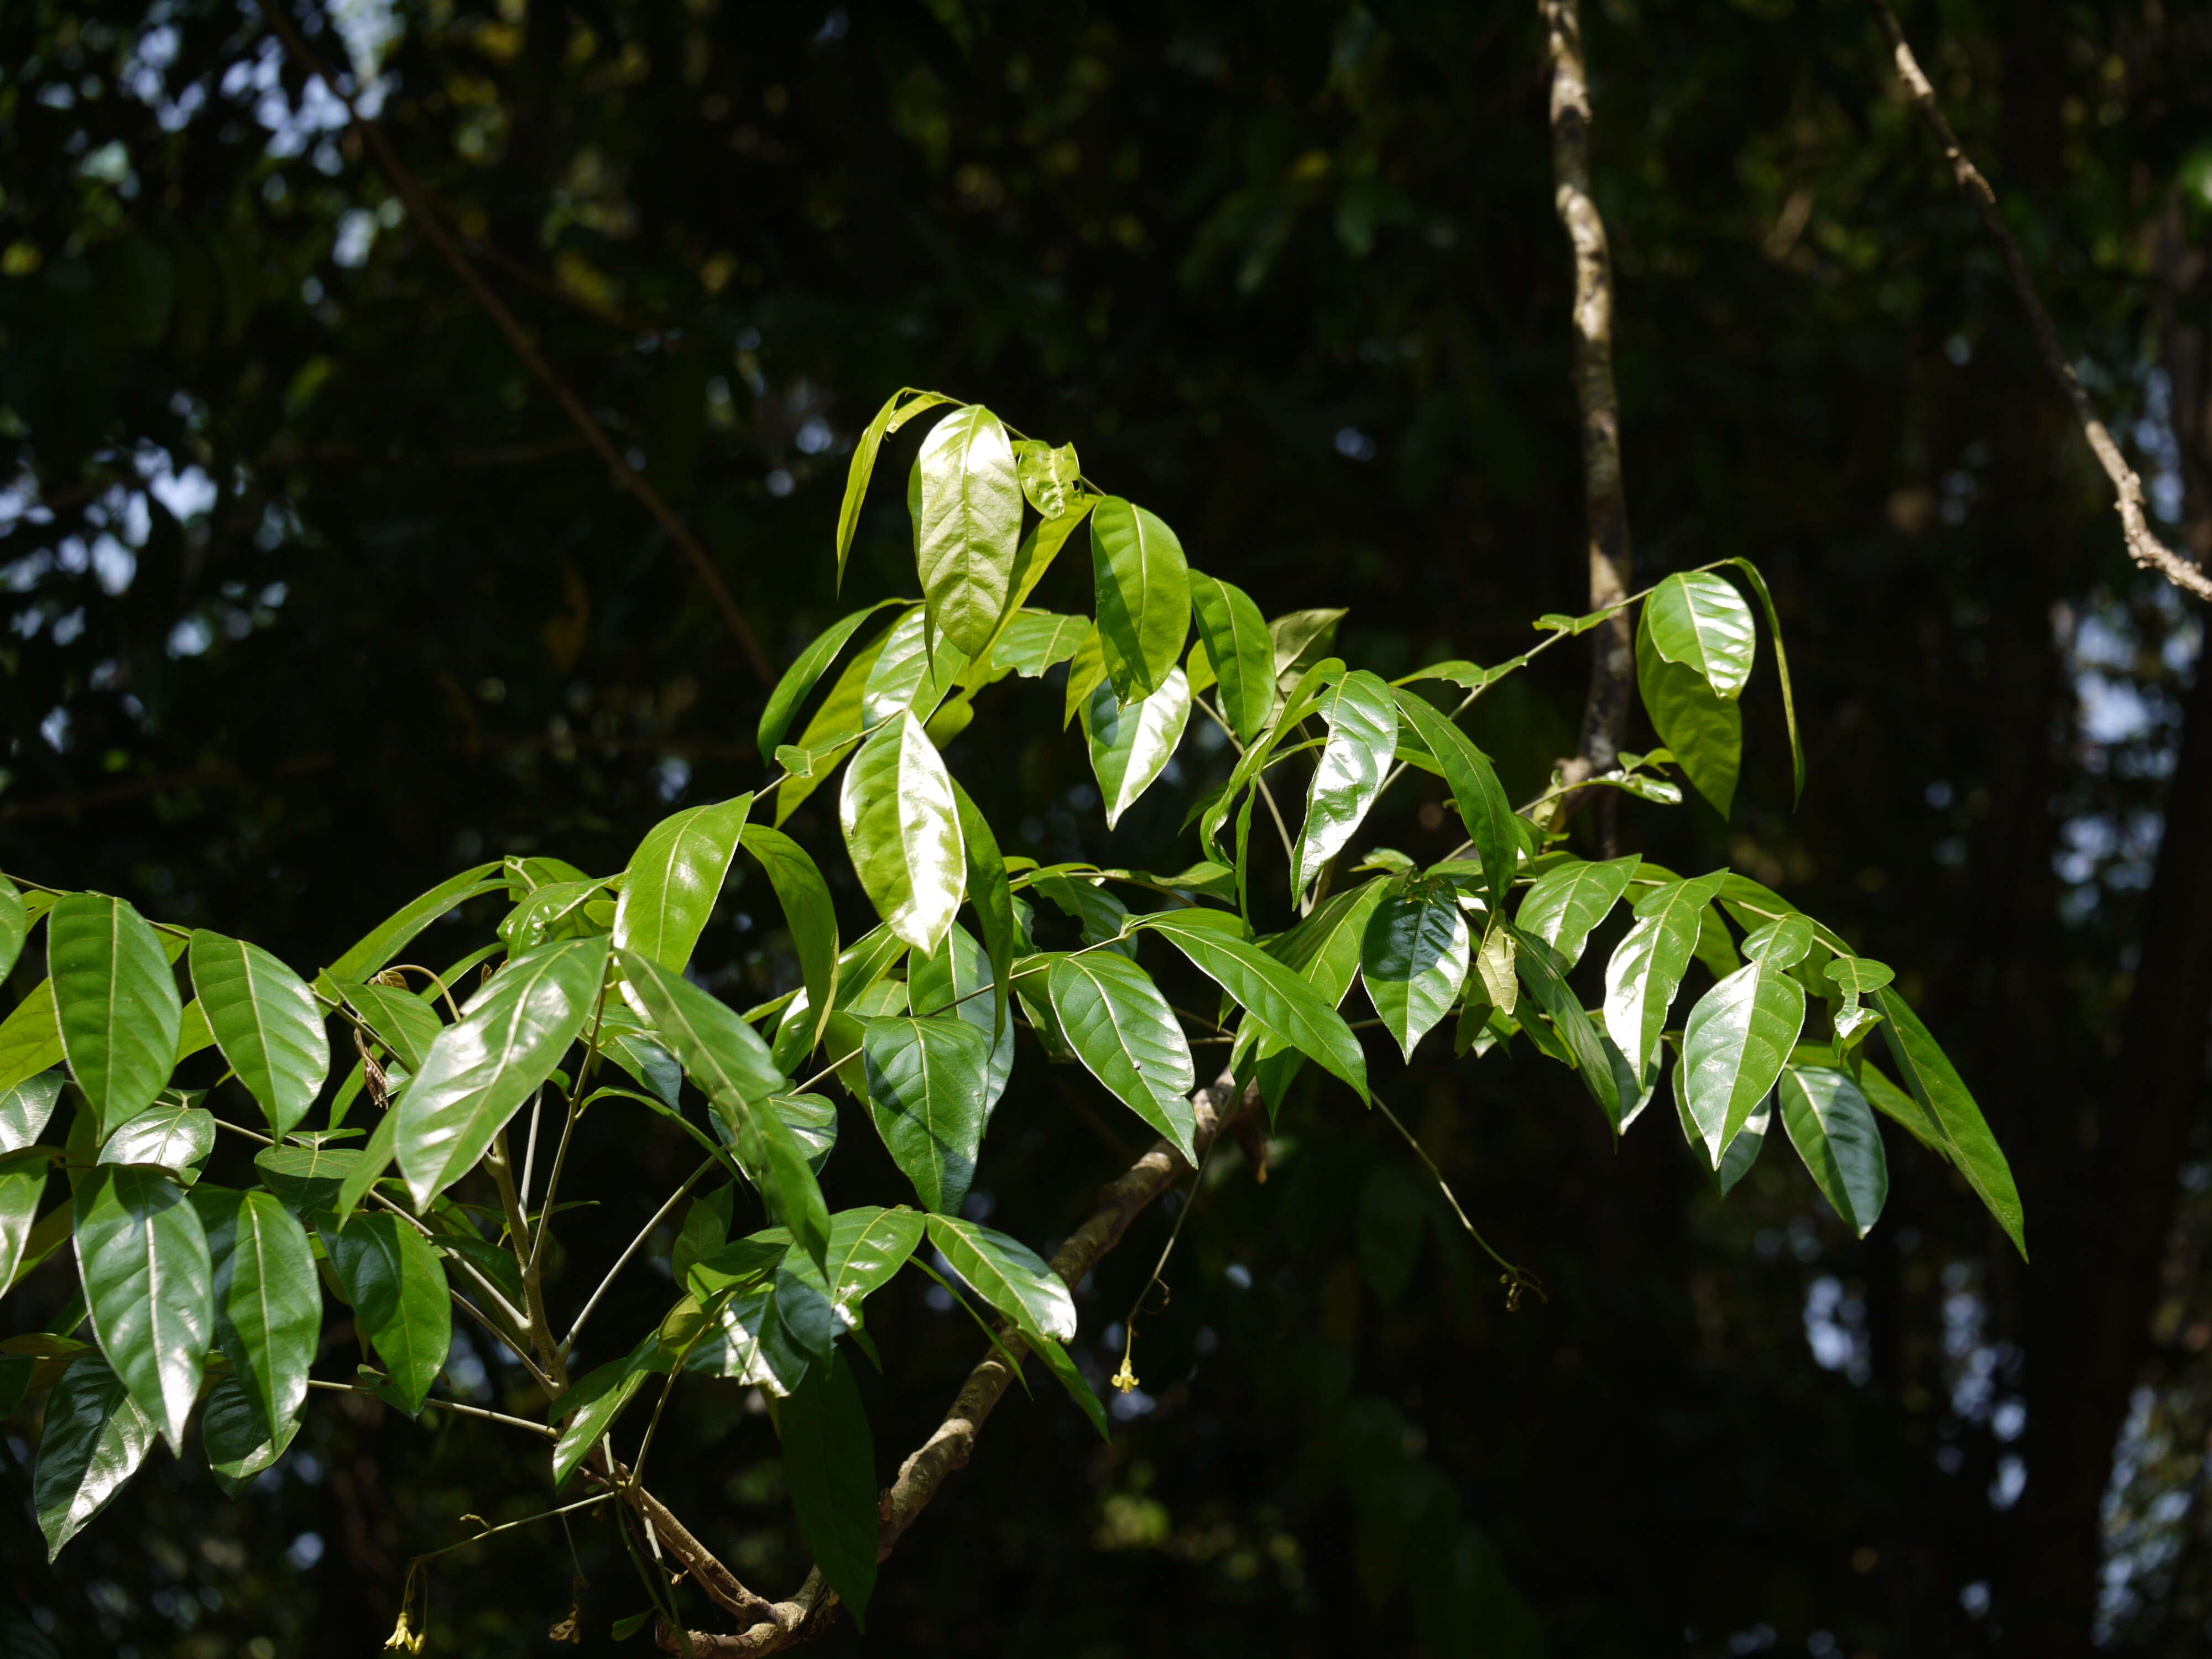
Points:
x=1124, y=1379
x=404, y=1639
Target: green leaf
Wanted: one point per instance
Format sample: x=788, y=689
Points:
x=1832, y=1127
x=369, y=1169
x=1363, y=735
x=1121, y=1028
x=1603, y=1069
x=1086, y=672
x=895, y=413
x=477, y=1074
x=1782, y=667
x=21, y=1186
x=807, y=909
x=1271, y=994
x=593, y=1402
x=812, y=1121
x=308, y=1179
x=14, y=926
x=969, y=522
x=1033, y=641
x=237, y=1440
x=268, y=1300
x=1697, y=619
x=1144, y=596
x=1952, y=1119
x=1038, y=550
x=403, y=1022
x=674, y=878
x=1734, y=1045
x=149, y=1285
x=1565, y=903
x=24, y=1108
x=396, y=1286
x=388, y=937
x=1742, y=1151
x=1085, y=897
x=1703, y=729
x=117, y=1001
x=802, y=676
x=1062, y=1365
x=30, y=1038
x=1131, y=743
x=174, y=1134
x=1010, y=1276
x=267, y=1023
x=911, y=670
x=95, y=1437
x=993, y=897
x=927, y=1090
x=831, y=733
x=829, y=1466
x=867, y=1247
x=1783, y=943
x=1051, y=479
x=950, y=979
x=1242, y=652
x=1647, y=967
x=902, y=829
x=1301, y=640
x=1415, y=957
x=1479, y=797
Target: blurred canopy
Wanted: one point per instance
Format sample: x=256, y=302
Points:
x=313, y=593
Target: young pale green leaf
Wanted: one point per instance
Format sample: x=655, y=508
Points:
x=803, y=675
x=829, y=1466
x=989, y=892
x=1413, y=958
x=26, y=1107
x=674, y=878
x=902, y=827
x=1734, y=1045
x=268, y=1301
x=143, y=1255
x=594, y=1401
x=375, y=948
x=1647, y=965
x=968, y=525
x=1131, y=743
x=1009, y=1275
x=1703, y=729
x=95, y=1437
x=1241, y=651
x=173, y=1133
x=807, y=908
x=14, y=926
x=1363, y=735
x=30, y=1038
x=1697, y=619
x=1121, y=1028
x=392, y=1278
x=1952, y=1120
x=898, y=408
x=1479, y=797
x=866, y=1246
x=117, y=1002
x=477, y=1074
x=1832, y=1127
x=1038, y=550
x=236, y=1439
x=1565, y=903
x=926, y=1087
x=1051, y=479
x=21, y=1186
x=1598, y=1060
x=1033, y=641
x=1272, y=994
x=265, y=1020
x=403, y=1022
x=952, y=980
x=1144, y=596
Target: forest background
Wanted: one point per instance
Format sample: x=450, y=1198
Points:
x=315, y=591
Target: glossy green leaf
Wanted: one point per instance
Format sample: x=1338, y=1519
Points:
x=1086, y=898
x=1703, y=729
x=1301, y=640
x=377, y=947
x=143, y=1255
x=1565, y=903
x=25, y=1108
x=1832, y=1127
x=396, y=1285
x=860, y=967
x=1241, y=651
x=989, y=892
x=953, y=978
x=1122, y=1029
x=268, y=1300
x=1062, y=1365
x=237, y=1441
x=1039, y=549
x=593, y=1402
x=306, y=1178
x=30, y=1038
x=674, y=878
x=117, y=1002
x=830, y=1467
x=479, y=1073
x=831, y=733
x=1324, y=948
x=21, y=1186
x=95, y=1437
x=1086, y=672
x=867, y=1246
x=174, y=1132
x=403, y=1023
x=812, y=1121
x=808, y=911
x=1954, y=1121
x=1782, y=669
x=912, y=671
x=1034, y=640
x=968, y=525
x=902, y=827
x=803, y=675
x=1782, y=943
x=1742, y=1152
x=267, y=1023
x=1598, y=1060
x=1272, y=994
x=901, y=407
x=1144, y=596
x=1647, y=967
x=1476, y=792
x=1734, y=1046
x=1051, y=479
x=1009, y=1275
x=927, y=1086
x=1697, y=619
x=1413, y=958
x=1363, y=737
x=1131, y=743
x=14, y=926
x=376, y=1156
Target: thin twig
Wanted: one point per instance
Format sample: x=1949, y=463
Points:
x=1127, y=1379
x=1517, y=1279
x=569, y=1342
x=448, y=1405
x=2144, y=548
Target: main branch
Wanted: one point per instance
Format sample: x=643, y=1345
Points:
x=2144, y=548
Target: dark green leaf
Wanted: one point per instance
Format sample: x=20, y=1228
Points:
x=807, y=909
x=902, y=829
x=236, y=1437
x=1413, y=958
x=925, y=1089
x=831, y=733
x=393, y=1280
x=403, y=1022
x=1009, y=1275
x=593, y=1402
x=149, y=1284
x=268, y=1300
x=94, y=1439
x=265, y=1020
x=1832, y=1127
x=1782, y=667
x=812, y=1121
x=1144, y=596
x=308, y=1178
x=117, y=1001
x=1272, y=994
x=1121, y=1028
x=14, y=926
x=829, y=1466
x=1604, y=1070
x=1956, y=1122
x=1703, y=729
x=1480, y=798
x=1241, y=651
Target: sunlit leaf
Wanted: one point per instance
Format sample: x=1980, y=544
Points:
x=117, y=1001
x=148, y=1282
x=902, y=829
x=1144, y=596
x=267, y=1023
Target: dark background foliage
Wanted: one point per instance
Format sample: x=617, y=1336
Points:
x=313, y=596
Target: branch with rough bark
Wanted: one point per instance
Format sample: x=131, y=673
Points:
x=1612, y=660
x=2144, y=547
x=770, y=1626
x=424, y=212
